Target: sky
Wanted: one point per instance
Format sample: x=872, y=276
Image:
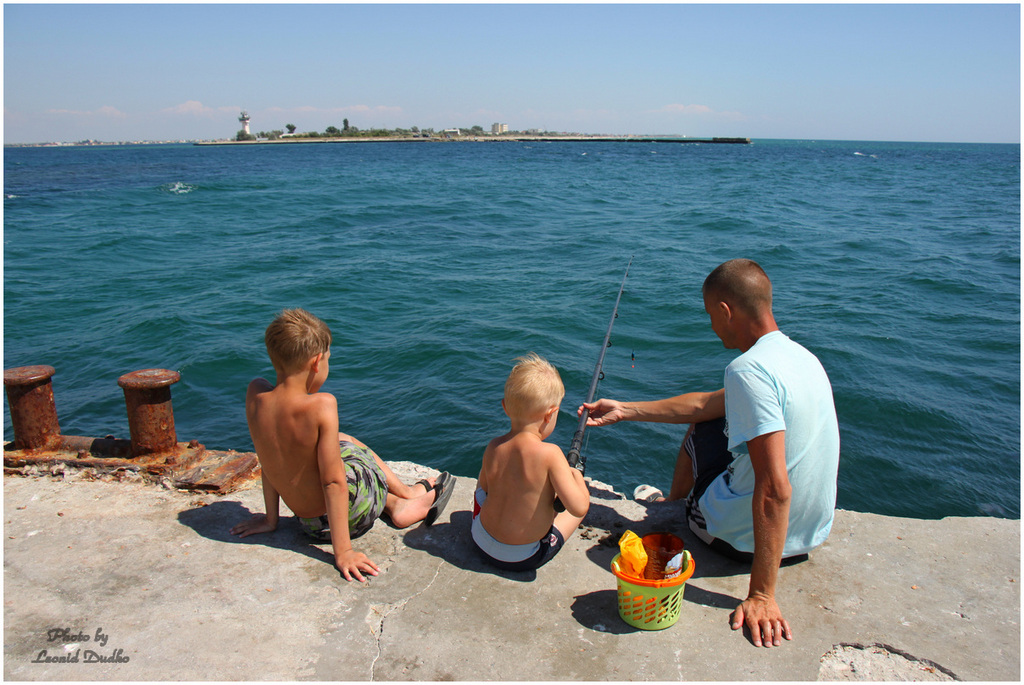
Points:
x=882, y=72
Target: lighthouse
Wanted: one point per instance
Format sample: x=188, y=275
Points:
x=245, y=122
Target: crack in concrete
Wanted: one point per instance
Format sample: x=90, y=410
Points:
x=386, y=610
x=839, y=664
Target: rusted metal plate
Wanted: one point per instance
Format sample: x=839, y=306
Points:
x=220, y=472
x=190, y=466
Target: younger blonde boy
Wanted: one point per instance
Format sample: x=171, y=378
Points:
x=313, y=467
x=515, y=526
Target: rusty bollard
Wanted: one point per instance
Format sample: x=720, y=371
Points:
x=33, y=412
x=147, y=394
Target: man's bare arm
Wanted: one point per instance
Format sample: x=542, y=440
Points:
x=692, y=407
x=772, y=493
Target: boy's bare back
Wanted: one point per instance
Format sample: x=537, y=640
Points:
x=289, y=430
x=521, y=475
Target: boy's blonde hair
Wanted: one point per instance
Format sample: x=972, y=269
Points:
x=533, y=386
x=295, y=337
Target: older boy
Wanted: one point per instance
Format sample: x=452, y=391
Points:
x=515, y=526
x=312, y=466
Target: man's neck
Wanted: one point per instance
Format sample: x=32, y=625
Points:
x=758, y=329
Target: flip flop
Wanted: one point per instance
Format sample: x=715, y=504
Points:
x=647, y=493
x=438, y=482
x=445, y=488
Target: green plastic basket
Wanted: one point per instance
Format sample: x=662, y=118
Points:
x=654, y=604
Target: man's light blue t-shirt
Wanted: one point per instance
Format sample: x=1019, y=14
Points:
x=777, y=385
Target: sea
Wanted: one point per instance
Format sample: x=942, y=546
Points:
x=437, y=264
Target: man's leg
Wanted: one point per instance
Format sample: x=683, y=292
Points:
x=682, y=476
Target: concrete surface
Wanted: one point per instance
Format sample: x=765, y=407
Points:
x=142, y=582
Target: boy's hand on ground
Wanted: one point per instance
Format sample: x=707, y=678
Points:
x=257, y=524
x=351, y=562
x=604, y=412
x=764, y=620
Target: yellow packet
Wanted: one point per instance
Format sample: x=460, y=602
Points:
x=632, y=555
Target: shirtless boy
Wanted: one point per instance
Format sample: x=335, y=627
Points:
x=515, y=526
x=313, y=467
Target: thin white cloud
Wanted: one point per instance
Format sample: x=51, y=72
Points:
x=684, y=109
x=105, y=111
x=196, y=108
x=191, y=107
x=361, y=109
x=109, y=111
x=699, y=110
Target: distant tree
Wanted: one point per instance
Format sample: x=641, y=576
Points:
x=290, y=127
x=344, y=124
x=477, y=129
x=415, y=129
x=242, y=135
x=332, y=131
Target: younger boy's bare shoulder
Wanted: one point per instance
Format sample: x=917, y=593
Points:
x=550, y=453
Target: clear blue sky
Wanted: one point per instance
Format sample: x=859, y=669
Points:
x=856, y=72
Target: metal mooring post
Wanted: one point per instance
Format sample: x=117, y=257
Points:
x=147, y=394
x=33, y=412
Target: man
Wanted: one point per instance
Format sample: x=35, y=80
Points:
x=760, y=484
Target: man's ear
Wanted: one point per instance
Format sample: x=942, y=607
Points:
x=726, y=310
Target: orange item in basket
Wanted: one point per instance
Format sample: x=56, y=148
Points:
x=633, y=556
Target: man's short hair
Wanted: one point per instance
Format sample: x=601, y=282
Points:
x=533, y=386
x=295, y=337
x=741, y=283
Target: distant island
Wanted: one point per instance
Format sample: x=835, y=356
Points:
x=352, y=134
x=572, y=137
x=498, y=132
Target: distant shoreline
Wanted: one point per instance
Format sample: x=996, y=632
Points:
x=487, y=139
x=404, y=139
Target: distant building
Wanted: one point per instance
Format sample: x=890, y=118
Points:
x=244, y=118
x=499, y=128
x=451, y=132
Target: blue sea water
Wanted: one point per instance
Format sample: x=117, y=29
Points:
x=436, y=265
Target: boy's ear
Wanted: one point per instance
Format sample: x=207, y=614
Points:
x=314, y=363
x=504, y=408
x=550, y=413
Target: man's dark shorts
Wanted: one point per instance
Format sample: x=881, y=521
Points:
x=708, y=448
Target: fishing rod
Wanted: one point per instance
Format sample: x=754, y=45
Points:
x=576, y=459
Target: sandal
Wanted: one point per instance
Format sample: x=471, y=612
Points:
x=647, y=493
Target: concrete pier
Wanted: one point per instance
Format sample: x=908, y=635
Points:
x=131, y=580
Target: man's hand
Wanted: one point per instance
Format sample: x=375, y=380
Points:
x=764, y=620
x=257, y=524
x=603, y=412
x=351, y=562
